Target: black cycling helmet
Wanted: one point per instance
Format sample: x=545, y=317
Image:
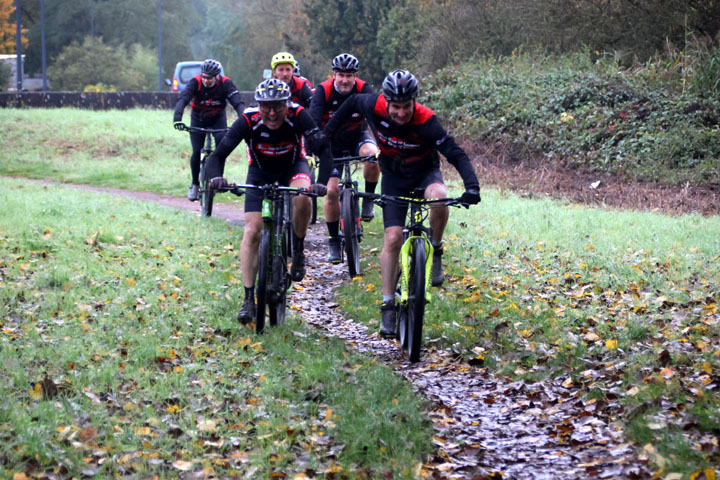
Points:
x=296, y=70
x=210, y=67
x=345, y=63
x=399, y=86
x=272, y=90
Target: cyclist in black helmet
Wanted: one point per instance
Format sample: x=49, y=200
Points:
x=410, y=137
x=352, y=137
x=272, y=132
x=208, y=94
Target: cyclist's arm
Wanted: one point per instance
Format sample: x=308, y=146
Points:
x=239, y=130
x=305, y=93
x=358, y=103
x=319, y=144
x=233, y=96
x=455, y=155
x=317, y=105
x=185, y=97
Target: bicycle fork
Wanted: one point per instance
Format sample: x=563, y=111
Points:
x=405, y=254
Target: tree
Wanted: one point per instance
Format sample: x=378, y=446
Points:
x=351, y=26
x=8, y=28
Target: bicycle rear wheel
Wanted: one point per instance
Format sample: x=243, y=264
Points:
x=263, y=280
x=416, y=299
x=349, y=216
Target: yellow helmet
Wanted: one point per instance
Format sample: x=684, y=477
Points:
x=282, y=57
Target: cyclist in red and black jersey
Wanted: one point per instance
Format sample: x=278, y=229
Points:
x=350, y=139
x=272, y=131
x=283, y=68
x=208, y=94
x=410, y=137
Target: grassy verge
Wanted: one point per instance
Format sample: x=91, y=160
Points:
x=136, y=149
x=621, y=304
x=120, y=356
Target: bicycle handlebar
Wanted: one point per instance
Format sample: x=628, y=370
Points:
x=379, y=199
x=357, y=158
x=190, y=129
x=239, y=189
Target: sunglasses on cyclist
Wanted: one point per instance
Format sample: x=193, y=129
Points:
x=274, y=106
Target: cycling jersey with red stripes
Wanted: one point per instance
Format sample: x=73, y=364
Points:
x=405, y=149
x=208, y=103
x=327, y=100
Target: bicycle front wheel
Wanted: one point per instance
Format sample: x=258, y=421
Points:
x=263, y=280
x=416, y=299
x=313, y=199
x=281, y=283
x=349, y=216
x=207, y=194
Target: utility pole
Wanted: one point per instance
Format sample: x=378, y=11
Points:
x=18, y=64
x=160, y=59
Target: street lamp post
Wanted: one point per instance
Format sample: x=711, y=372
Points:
x=18, y=64
x=42, y=46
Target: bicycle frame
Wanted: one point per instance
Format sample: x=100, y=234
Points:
x=350, y=220
x=206, y=193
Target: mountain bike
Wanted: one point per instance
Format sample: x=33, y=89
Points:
x=273, y=277
x=351, y=229
x=415, y=266
x=207, y=194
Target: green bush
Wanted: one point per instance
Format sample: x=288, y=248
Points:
x=94, y=63
x=5, y=74
x=585, y=110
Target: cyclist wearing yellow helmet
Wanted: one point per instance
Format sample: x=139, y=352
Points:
x=283, y=68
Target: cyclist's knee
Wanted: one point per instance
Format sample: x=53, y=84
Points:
x=436, y=190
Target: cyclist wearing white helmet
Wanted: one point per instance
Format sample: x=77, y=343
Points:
x=207, y=94
x=352, y=138
x=410, y=137
x=272, y=132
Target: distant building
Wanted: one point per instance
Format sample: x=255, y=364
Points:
x=28, y=83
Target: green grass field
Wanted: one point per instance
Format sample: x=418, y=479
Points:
x=622, y=304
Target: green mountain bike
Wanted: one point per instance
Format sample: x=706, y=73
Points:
x=273, y=277
x=415, y=265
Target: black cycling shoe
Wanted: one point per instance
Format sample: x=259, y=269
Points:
x=194, y=192
x=335, y=256
x=437, y=276
x=297, y=271
x=388, y=328
x=368, y=213
x=247, y=312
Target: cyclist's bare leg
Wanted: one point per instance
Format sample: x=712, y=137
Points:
x=331, y=204
x=438, y=215
x=389, y=259
x=249, y=247
x=301, y=208
x=371, y=170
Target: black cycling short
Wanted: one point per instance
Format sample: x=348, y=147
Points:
x=339, y=151
x=256, y=176
x=394, y=213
